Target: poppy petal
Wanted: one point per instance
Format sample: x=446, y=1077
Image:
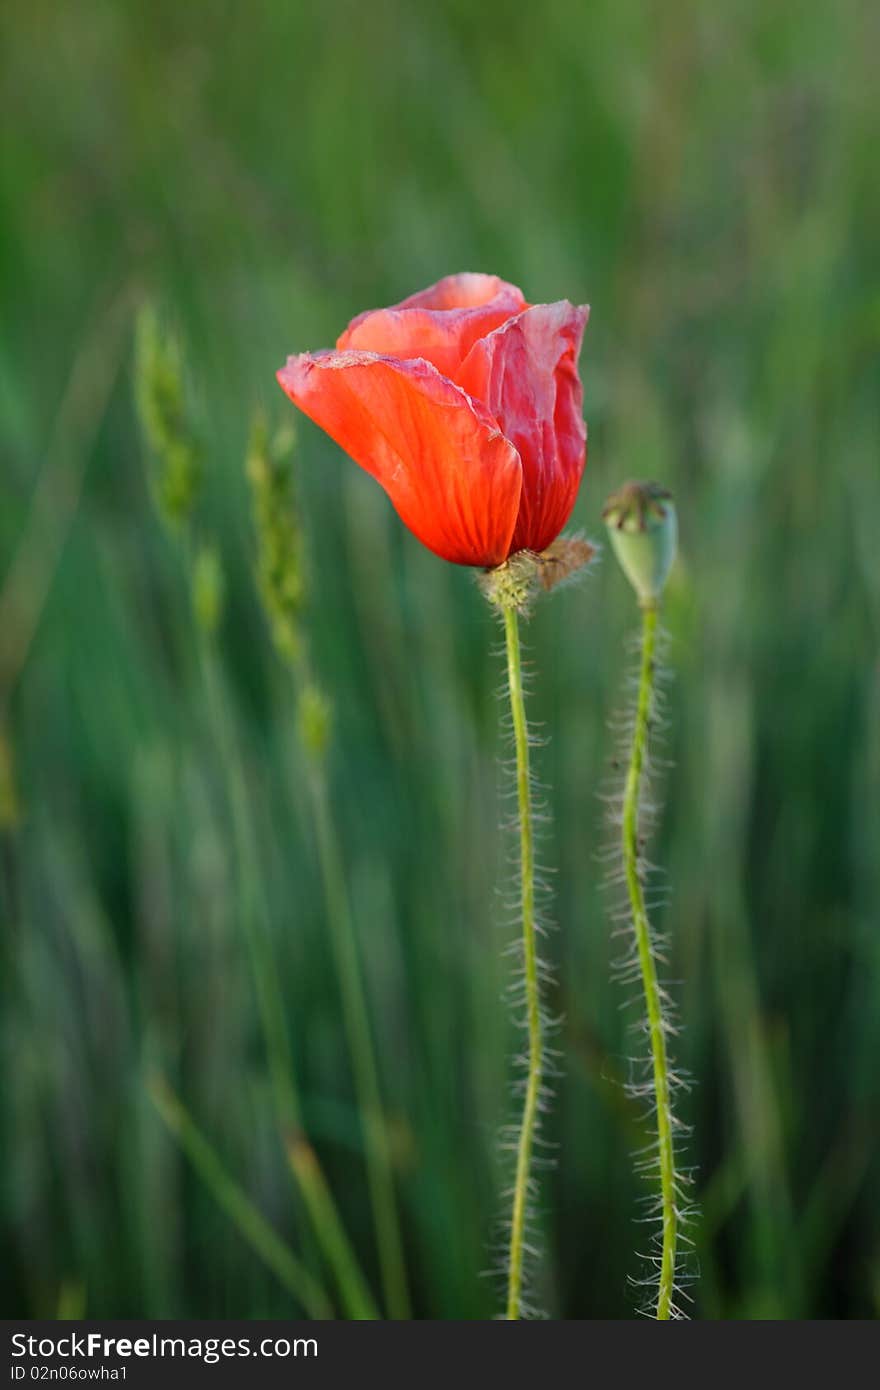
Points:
x=440, y=324
x=466, y=290
x=453, y=478
x=525, y=373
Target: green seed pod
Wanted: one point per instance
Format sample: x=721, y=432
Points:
x=643, y=527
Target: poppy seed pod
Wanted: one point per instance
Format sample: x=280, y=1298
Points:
x=643, y=527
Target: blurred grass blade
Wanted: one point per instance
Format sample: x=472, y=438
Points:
x=283, y=591
x=250, y=1223
x=71, y=1301
x=363, y=1056
x=170, y=434
x=302, y=1159
x=331, y=1232
x=57, y=492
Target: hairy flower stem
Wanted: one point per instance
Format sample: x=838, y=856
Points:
x=650, y=985
x=525, y=1142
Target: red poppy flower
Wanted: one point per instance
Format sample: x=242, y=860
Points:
x=464, y=402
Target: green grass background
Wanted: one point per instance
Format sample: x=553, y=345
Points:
x=706, y=177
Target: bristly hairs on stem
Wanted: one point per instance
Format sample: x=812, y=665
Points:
x=643, y=528
x=510, y=589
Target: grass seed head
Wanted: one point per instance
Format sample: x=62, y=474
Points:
x=162, y=408
x=281, y=567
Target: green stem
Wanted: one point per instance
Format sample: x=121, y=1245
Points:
x=525, y=1143
x=360, y=1043
x=251, y=1224
x=653, y=1002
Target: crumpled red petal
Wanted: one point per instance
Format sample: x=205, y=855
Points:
x=440, y=324
x=525, y=373
x=453, y=478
